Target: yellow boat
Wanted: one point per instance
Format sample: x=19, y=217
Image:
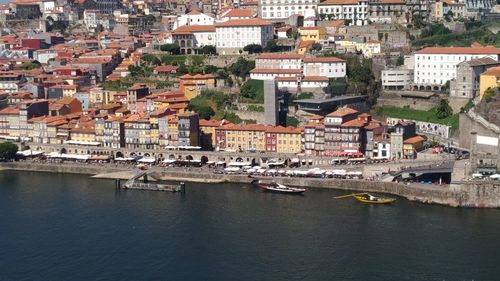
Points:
x=368, y=198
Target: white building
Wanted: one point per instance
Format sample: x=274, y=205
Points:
x=272, y=73
x=277, y=60
x=234, y=35
x=200, y=35
x=353, y=11
x=434, y=66
x=330, y=67
x=396, y=78
x=282, y=9
x=193, y=18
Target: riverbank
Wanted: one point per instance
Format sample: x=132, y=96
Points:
x=466, y=194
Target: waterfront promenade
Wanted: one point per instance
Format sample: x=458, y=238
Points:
x=465, y=194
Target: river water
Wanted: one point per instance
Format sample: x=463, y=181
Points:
x=69, y=227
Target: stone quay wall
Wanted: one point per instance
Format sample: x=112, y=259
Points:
x=484, y=194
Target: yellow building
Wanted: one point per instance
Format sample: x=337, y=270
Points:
x=284, y=139
x=192, y=85
x=438, y=10
x=207, y=128
x=315, y=33
x=304, y=46
x=251, y=137
x=83, y=132
x=489, y=79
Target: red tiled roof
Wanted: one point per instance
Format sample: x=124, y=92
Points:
x=323, y=59
x=343, y=111
x=494, y=71
x=282, y=56
x=413, y=140
x=460, y=50
x=315, y=78
x=194, y=29
x=244, y=22
x=239, y=13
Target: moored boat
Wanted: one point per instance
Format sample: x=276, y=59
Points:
x=369, y=198
x=276, y=187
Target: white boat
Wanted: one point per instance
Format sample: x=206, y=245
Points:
x=276, y=187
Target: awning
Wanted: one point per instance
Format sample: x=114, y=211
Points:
x=93, y=143
x=239, y=164
x=146, y=160
x=29, y=153
x=124, y=159
x=295, y=160
x=9, y=138
x=169, y=161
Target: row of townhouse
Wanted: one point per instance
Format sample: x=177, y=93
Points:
x=346, y=132
x=361, y=12
x=297, y=72
x=257, y=137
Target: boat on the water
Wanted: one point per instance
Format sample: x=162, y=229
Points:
x=276, y=187
x=369, y=198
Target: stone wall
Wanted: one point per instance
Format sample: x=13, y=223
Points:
x=482, y=194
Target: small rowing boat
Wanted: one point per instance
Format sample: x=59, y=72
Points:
x=369, y=198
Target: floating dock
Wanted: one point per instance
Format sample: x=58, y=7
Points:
x=136, y=183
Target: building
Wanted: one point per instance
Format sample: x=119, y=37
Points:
x=354, y=12
x=466, y=85
x=193, y=18
x=192, y=37
x=434, y=66
x=134, y=94
x=489, y=79
x=284, y=139
x=282, y=9
x=192, y=85
x=279, y=61
x=250, y=137
x=188, y=129
x=11, y=81
x=313, y=33
x=330, y=67
x=386, y=11
x=397, y=78
x=314, y=137
x=207, y=130
x=342, y=131
x=234, y=35
x=114, y=132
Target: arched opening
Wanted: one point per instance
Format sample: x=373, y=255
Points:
x=171, y=156
x=132, y=154
x=436, y=88
x=189, y=157
x=239, y=159
x=63, y=150
x=421, y=88
x=415, y=88
x=119, y=155
x=147, y=154
x=204, y=159
x=188, y=51
x=183, y=43
x=428, y=88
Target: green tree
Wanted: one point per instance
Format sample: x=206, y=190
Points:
x=205, y=111
x=151, y=59
x=242, y=67
x=253, y=48
x=7, y=150
x=272, y=46
x=444, y=109
x=316, y=47
x=336, y=87
x=489, y=94
x=30, y=65
x=400, y=61
x=210, y=68
x=305, y=95
x=208, y=50
x=173, y=49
